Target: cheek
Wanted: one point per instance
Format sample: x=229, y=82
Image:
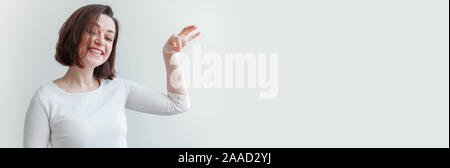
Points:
x=108, y=49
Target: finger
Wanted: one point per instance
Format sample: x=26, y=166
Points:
x=187, y=30
x=194, y=36
x=172, y=44
x=174, y=40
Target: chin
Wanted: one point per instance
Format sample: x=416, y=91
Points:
x=93, y=63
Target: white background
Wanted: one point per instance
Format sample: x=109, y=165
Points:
x=351, y=73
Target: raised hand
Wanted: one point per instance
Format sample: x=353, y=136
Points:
x=176, y=42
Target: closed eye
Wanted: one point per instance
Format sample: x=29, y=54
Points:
x=91, y=32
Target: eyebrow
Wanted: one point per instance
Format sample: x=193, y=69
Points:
x=100, y=26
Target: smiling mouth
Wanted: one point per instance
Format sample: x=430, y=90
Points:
x=95, y=51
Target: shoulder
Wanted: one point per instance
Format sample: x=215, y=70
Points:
x=43, y=93
x=118, y=81
x=44, y=89
x=117, y=84
x=123, y=84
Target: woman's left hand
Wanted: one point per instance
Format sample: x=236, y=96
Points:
x=176, y=42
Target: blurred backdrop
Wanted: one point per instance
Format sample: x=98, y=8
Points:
x=350, y=73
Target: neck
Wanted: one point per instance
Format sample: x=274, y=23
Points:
x=81, y=77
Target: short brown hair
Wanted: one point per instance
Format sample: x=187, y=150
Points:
x=70, y=36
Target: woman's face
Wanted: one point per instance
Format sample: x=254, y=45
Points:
x=97, y=42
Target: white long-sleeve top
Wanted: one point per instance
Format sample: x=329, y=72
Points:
x=95, y=118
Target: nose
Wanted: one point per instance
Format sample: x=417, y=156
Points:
x=98, y=40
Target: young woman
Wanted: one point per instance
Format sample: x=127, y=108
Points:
x=86, y=107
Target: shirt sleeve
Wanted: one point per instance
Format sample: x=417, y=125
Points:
x=36, y=128
x=145, y=100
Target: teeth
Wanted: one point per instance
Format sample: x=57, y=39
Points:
x=96, y=51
